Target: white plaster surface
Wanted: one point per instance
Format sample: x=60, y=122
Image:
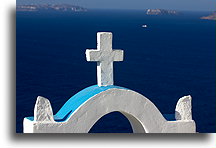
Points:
x=142, y=114
x=43, y=110
x=140, y=111
x=183, y=108
x=104, y=55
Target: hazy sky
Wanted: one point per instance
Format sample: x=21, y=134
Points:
x=194, y=5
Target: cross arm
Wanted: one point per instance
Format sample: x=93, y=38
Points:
x=118, y=55
x=93, y=55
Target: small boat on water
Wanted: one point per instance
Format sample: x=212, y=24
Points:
x=144, y=26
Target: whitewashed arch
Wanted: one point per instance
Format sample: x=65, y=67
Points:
x=85, y=108
x=138, y=109
x=142, y=114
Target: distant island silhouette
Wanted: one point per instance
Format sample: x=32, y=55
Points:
x=52, y=7
x=161, y=12
x=210, y=17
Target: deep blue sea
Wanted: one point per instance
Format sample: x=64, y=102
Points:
x=173, y=57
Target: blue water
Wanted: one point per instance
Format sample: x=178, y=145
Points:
x=173, y=57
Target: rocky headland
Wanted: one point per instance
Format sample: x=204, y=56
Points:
x=210, y=17
x=161, y=12
x=53, y=7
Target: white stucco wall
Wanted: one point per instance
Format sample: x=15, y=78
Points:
x=105, y=98
x=140, y=111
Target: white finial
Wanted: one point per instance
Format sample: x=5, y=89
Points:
x=183, y=108
x=104, y=56
x=43, y=110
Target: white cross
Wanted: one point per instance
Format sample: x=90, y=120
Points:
x=104, y=56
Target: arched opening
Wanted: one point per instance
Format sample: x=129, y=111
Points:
x=114, y=122
x=117, y=122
